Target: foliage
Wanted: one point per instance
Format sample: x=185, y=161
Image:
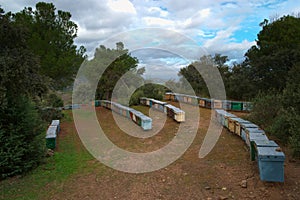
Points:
x=239, y=83
x=279, y=113
x=20, y=125
x=266, y=106
x=44, y=181
x=135, y=97
x=277, y=50
x=51, y=38
x=294, y=139
x=150, y=90
x=109, y=65
x=21, y=137
x=206, y=69
x=17, y=63
x=53, y=100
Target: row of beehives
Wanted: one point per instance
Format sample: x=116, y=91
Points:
x=170, y=110
x=268, y=154
x=209, y=103
x=52, y=133
x=137, y=117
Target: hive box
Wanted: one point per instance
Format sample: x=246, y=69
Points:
x=225, y=118
x=253, y=136
x=219, y=114
x=236, y=106
x=51, y=137
x=238, y=125
x=270, y=164
x=57, y=124
x=146, y=122
x=244, y=127
x=217, y=104
x=252, y=131
x=263, y=143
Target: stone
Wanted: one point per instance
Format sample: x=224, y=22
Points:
x=207, y=188
x=244, y=184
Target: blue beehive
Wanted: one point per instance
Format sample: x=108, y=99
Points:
x=252, y=131
x=247, y=106
x=254, y=136
x=244, y=127
x=226, y=104
x=159, y=105
x=263, y=143
x=146, y=122
x=270, y=164
x=219, y=113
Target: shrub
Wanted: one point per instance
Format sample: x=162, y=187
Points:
x=294, y=139
x=21, y=137
x=266, y=107
x=55, y=101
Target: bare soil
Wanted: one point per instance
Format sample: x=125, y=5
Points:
x=217, y=176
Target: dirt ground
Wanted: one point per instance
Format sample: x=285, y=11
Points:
x=217, y=176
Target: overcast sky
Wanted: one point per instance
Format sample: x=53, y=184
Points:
x=184, y=29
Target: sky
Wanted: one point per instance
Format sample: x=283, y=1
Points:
x=166, y=35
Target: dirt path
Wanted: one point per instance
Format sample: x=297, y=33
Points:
x=217, y=176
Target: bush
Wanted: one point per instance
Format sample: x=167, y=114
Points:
x=21, y=137
x=266, y=107
x=135, y=97
x=48, y=114
x=294, y=139
x=55, y=101
x=280, y=126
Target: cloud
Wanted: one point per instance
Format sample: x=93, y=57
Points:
x=158, y=22
x=188, y=29
x=121, y=6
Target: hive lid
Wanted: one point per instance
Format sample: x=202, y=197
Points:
x=256, y=135
x=254, y=130
x=250, y=125
x=55, y=122
x=51, y=132
x=270, y=154
x=240, y=120
x=265, y=143
x=158, y=102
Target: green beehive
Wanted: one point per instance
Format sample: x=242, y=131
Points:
x=51, y=137
x=236, y=106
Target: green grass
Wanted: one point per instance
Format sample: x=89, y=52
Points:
x=49, y=177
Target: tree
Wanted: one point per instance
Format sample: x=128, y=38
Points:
x=205, y=65
x=113, y=64
x=51, y=38
x=21, y=145
x=277, y=49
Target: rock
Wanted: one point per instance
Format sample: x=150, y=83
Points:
x=244, y=184
x=184, y=174
x=50, y=153
x=263, y=189
x=222, y=198
x=207, y=188
x=224, y=188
